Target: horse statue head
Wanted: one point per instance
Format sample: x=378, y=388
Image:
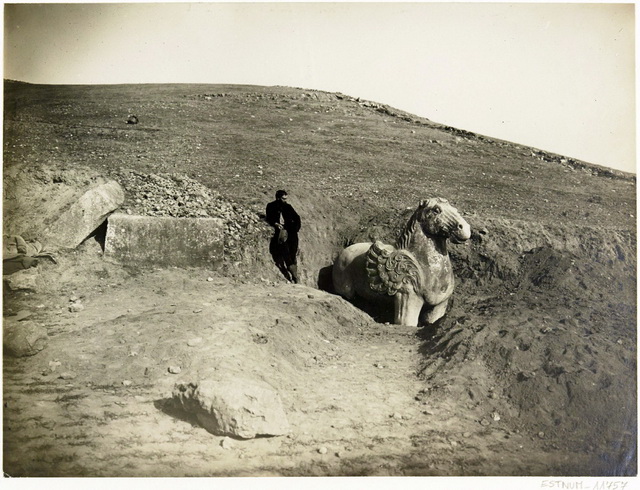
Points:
x=436, y=217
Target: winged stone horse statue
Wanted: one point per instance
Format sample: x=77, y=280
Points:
x=416, y=272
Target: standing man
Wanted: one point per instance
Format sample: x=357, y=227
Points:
x=284, y=243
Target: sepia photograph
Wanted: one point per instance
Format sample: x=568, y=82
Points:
x=390, y=243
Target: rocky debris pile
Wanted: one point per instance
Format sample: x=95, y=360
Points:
x=179, y=196
x=288, y=94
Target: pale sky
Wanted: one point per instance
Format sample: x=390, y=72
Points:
x=559, y=77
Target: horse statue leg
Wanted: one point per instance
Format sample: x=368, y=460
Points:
x=407, y=305
x=437, y=312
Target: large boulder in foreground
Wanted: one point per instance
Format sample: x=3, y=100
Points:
x=165, y=241
x=236, y=407
x=85, y=215
x=22, y=339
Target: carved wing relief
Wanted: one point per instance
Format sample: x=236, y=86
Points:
x=388, y=269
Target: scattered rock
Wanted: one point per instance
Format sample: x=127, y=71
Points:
x=226, y=443
x=322, y=450
x=22, y=315
x=495, y=416
x=76, y=307
x=175, y=369
x=127, y=382
x=195, y=341
x=67, y=375
x=23, y=339
x=234, y=406
x=25, y=280
x=54, y=364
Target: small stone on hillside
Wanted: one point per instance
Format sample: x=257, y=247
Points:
x=76, y=307
x=175, y=369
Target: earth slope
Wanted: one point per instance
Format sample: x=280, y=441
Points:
x=532, y=371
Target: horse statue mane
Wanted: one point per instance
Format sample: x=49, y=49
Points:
x=415, y=272
x=414, y=221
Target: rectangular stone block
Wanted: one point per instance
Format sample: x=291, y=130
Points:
x=180, y=242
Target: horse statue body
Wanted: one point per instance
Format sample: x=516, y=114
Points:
x=416, y=272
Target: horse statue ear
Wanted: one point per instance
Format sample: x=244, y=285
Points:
x=428, y=203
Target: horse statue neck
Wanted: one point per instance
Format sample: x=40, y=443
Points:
x=435, y=269
x=430, y=249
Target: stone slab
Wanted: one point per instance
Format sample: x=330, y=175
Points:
x=165, y=241
x=85, y=215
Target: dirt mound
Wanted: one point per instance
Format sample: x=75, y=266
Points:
x=557, y=339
